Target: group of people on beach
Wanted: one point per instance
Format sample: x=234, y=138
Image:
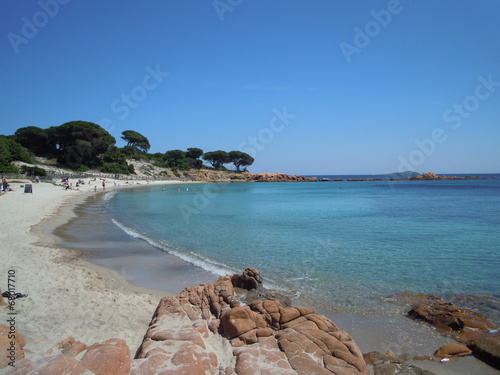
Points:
x=5, y=187
x=69, y=185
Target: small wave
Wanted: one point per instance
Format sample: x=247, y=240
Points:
x=108, y=195
x=206, y=264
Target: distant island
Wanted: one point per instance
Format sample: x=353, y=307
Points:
x=410, y=177
x=405, y=173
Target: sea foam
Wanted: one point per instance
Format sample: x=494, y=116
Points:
x=206, y=264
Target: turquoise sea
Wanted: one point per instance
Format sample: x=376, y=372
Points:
x=337, y=246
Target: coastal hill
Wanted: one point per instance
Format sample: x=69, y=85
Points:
x=83, y=146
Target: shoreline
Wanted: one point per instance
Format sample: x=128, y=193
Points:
x=67, y=294
x=94, y=284
x=140, y=264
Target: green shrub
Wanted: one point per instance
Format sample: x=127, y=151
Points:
x=8, y=168
x=33, y=171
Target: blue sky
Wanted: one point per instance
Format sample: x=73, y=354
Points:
x=307, y=87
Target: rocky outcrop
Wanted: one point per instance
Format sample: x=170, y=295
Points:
x=222, y=336
x=487, y=348
x=210, y=175
x=248, y=288
x=452, y=350
x=464, y=325
x=249, y=279
x=391, y=364
x=424, y=176
x=71, y=346
x=460, y=323
x=280, y=177
x=433, y=176
x=110, y=357
x=231, y=176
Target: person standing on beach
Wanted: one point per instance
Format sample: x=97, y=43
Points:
x=103, y=185
x=4, y=184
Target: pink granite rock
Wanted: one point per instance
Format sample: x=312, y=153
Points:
x=452, y=350
x=110, y=357
x=187, y=331
x=71, y=346
x=59, y=364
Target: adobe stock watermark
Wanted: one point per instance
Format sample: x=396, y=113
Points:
x=317, y=254
x=223, y=6
x=123, y=105
x=364, y=36
x=455, y=115
x=257, y=143
x=251, y=146
x=200, y=201
x=30, y=26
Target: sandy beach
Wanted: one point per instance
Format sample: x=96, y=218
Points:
x=67, y=296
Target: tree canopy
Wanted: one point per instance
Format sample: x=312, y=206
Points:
x=217, y=158
x=34, y=139
x=136, y=139
x=183, y=160
x=79, y=142
x=194, y=153
x=240, y=159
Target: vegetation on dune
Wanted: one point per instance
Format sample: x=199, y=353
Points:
x=11, y=151
x=82, y=145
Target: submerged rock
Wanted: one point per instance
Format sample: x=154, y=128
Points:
x=460, y=323
x=391, y=364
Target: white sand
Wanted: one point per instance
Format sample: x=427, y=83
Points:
x=67, y=296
